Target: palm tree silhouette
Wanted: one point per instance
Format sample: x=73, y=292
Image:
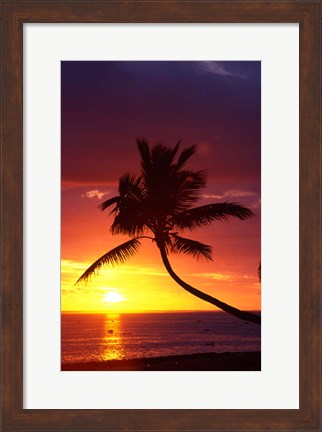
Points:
x=160, y=202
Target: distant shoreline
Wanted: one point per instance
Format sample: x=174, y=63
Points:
x=236, y=361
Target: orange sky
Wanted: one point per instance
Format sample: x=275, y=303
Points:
x=97, y=147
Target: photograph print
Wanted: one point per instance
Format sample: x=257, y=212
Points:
x=160, y=216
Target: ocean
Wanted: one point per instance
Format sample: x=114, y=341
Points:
x=100, y=337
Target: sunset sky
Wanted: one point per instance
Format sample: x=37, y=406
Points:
x=105, y=107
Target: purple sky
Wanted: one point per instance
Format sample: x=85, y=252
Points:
x=106, y=105
x=215, y=105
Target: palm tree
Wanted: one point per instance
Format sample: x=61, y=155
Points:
x=157, y=204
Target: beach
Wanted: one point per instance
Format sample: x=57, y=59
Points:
x=236, y=361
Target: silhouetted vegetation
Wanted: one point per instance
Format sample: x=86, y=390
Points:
x=158, y=204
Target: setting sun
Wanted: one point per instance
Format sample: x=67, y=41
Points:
x=113, y=297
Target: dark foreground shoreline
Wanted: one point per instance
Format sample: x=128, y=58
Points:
x=237, y=361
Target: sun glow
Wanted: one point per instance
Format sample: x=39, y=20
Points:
x=113, y=297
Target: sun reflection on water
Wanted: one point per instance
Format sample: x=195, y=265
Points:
x=113, y=341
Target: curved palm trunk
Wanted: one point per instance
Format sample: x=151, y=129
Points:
x=247, y=316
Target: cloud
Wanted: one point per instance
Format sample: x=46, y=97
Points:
x=219, y=69
x=137, y=271
x=70, y=268
x=236, y=280
x=229, y=193
x=95, y=194
x=68, y=265
x=256, y=204
x=216, y=276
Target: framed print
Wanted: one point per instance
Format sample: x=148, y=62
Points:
x=45, y=93
x=172, y=117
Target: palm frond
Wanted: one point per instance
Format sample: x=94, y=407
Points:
x=162, y=157
x=175, y=150
x=144, y=150
x=191, y=247
x=204, y=215
x=131, y=186
x=189, y=187
x=185, y=155
x=117, y=255
x=108, y=203
x=129, y=222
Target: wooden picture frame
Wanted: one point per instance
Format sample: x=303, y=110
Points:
x=14, y=15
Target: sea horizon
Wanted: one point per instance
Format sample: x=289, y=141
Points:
x=153, y=311
x=88, y=337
